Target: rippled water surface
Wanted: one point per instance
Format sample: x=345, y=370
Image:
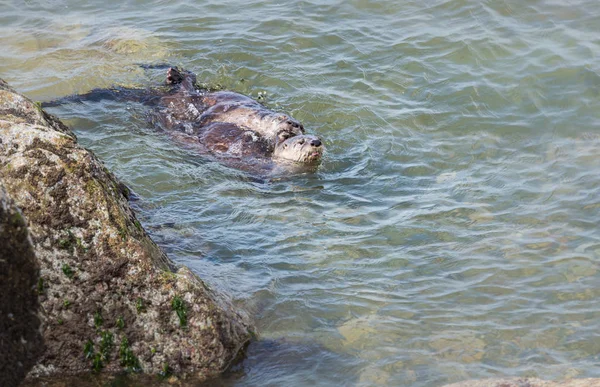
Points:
x=452, y=230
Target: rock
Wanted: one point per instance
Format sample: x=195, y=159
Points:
x=463, y=348
x=526, y=382
x=359, y=330
x=106, y=298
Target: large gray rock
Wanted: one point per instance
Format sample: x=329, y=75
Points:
x=106, y=296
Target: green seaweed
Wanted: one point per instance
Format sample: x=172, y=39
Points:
x=125, y=190
x=66, y=304
x=179, y=306
x=40, y=285
x=168, y=276
x=253, y=334
x=66, y=269
x=122, y=233
x=106, y=344
x=67, y=242
x=97, y=364
x=128, y=359
x=79, y=244
x=120, y=323
x=17, y=219
x=88, y=349
x=138, y=225
x=165, y=372
x=98, y=320
x=139, y=305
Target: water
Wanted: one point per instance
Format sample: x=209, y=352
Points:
x=452, y=230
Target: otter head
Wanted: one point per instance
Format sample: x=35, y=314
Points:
x=302, y=148
x=286, y=127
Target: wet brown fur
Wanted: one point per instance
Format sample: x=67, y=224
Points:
x=231, y=125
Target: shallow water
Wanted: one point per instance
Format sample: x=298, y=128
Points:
x=452, y=230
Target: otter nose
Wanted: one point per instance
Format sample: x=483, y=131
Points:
x=316, y=143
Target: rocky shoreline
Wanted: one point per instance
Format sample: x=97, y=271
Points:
x=83, y=286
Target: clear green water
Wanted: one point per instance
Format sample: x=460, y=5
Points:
x=452, y=231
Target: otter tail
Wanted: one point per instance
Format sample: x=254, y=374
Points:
x=144, y=96
x=176, y=78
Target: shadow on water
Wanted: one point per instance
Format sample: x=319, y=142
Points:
x=21, y=341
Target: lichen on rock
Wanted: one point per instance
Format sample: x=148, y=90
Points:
x=95, y=259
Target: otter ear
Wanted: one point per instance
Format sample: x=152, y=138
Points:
x=174, y=76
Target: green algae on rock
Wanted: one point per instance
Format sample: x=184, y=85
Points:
x=98, y=265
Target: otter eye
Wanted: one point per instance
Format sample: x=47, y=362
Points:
x=301, y=142
x=284, y=135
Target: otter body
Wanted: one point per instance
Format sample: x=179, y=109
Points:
x=190, y=105
x=231, y=125
x=228, y=140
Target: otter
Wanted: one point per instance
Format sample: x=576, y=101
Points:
x=189, y=104
x=228, y=141
x=232, y=126
x=235, y=129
